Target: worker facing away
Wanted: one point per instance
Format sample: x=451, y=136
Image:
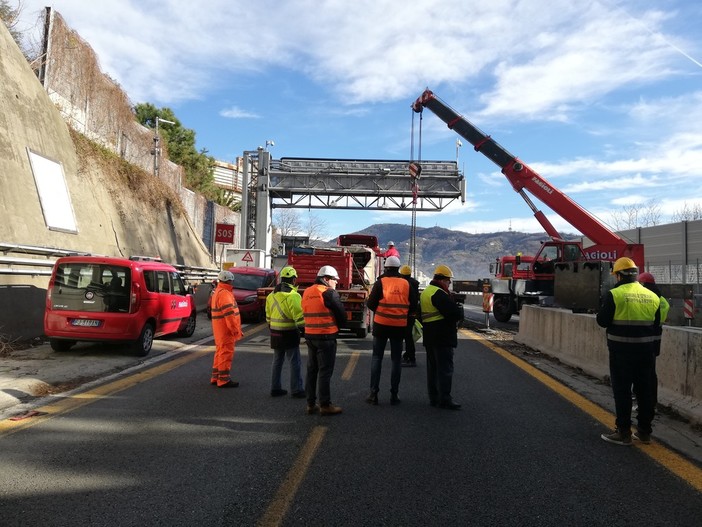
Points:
x=631, y=313
x=391, y=300
x=286, y=323
x=226, y=327
x=324, y=314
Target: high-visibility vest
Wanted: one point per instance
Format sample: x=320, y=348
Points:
x=634, y=314
x=226, y=321
x=283, y=310
x=393, y=308
x=429, y=311
x=319, y=319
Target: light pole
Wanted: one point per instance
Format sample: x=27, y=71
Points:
x=458, y=145
x=156, y=152
x=269, y=142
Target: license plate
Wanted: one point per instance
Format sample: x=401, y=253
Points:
x=84, y=322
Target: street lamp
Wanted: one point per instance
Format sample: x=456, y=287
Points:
x=269, y=142
x=156, y=152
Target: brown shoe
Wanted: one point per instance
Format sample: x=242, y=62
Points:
x=329, y=409
x=312, y=409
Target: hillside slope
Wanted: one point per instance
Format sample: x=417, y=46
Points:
x=468, y=255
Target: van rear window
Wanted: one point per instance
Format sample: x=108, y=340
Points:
x=91, y=287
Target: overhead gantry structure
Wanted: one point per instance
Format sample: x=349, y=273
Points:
x=361, y=184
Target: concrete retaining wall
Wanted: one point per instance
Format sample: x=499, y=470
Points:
x=577, y=340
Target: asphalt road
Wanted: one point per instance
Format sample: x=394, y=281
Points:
x=160, y=446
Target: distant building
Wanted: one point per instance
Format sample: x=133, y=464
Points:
x=229, y=176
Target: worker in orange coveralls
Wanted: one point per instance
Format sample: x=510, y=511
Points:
x=226, y=326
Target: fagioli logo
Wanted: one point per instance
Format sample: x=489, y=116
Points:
x=609, y=256
x=542, y=184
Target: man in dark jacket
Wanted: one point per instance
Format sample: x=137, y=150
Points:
x=391, y=300
x=409, y=358
x=324, y=314
x=441, y=317
x=631, y=314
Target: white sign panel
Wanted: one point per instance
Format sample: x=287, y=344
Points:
x=53, y=193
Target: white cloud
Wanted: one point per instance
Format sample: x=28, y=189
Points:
x=237, y=113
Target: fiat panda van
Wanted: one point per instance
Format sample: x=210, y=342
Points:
x=102, y=299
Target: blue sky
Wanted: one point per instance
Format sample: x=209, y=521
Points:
x=602, y=98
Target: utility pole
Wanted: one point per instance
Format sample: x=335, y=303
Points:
x=156, y=152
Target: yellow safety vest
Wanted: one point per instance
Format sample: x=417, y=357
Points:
x=284, y=310
x=634, y=307
x=429, y=312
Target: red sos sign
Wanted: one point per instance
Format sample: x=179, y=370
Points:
x=224, y=233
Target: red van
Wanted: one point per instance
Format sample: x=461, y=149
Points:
x=102, y=299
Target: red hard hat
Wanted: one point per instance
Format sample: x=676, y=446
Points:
x=647, y=278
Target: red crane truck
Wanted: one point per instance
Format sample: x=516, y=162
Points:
x=561, y=269
x=357, y=259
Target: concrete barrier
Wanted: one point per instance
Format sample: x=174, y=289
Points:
x=577, y=340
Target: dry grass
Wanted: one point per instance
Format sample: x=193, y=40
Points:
x=119, y=174
x=9, y=345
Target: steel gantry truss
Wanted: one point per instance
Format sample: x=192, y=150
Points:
x=339, y=184
x=362, y=184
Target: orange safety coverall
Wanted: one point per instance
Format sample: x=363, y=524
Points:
x=226, y=327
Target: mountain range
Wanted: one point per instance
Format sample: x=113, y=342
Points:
x=468, y=255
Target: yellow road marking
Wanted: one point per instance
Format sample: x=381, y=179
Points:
x=656, y=451
x=69, y=403
x=278, y=508
x=351, y=366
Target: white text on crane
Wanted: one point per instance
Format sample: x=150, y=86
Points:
x=542, y=184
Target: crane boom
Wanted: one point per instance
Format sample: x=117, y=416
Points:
x=608, y=245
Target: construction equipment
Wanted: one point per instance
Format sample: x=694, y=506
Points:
x=562, y=272
x=357, y=259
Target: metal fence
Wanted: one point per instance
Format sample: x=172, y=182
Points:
x=14, y=261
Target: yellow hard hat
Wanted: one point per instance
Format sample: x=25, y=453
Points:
x=406, y=270
x=443, y=270
x=288, y=272
x=625, y=265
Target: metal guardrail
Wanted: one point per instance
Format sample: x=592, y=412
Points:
x=20, y=266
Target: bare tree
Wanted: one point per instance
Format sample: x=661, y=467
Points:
x=638, y=215
x=688, y=212
x=10, y=16
x=316, y=227
x=287, y=222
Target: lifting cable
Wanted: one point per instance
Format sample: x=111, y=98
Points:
x=415, y=170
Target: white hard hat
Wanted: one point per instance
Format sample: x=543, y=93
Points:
x=328, y=270
x=225, y=276
x=392, y=261
x=391, y=243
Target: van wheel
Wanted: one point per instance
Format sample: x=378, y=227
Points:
x=361, y=333
x=189, y=328
x=142, y=346
x=61, y=345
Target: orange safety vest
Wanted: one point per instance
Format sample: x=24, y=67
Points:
x=226, y=322
x=319, y=319
x=393, y=308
